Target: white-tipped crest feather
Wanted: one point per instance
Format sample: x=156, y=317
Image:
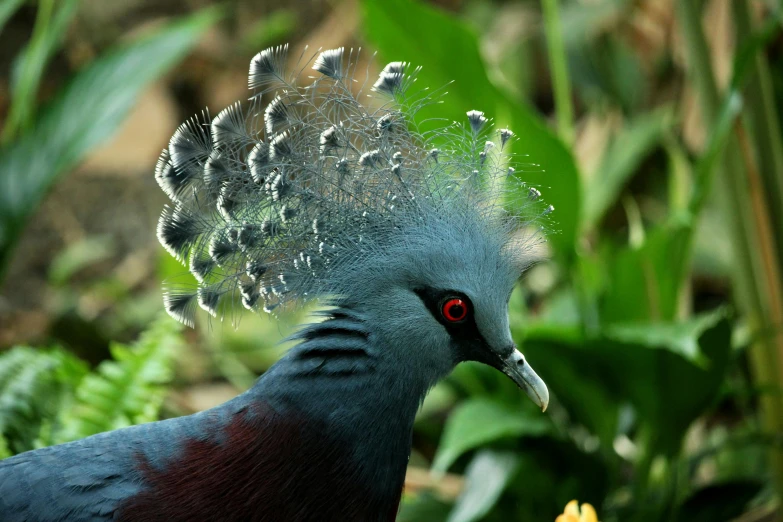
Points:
x=269, y=200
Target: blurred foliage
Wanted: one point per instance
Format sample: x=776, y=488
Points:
x=36, y=150
x=653, y=324
x=50, y=397
x=631, y=373
x=409, y=31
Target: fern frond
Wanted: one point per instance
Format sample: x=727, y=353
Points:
x=126, y=390
x=34, y=384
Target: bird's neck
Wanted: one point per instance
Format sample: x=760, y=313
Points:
x=341, y=369
x=343, y=377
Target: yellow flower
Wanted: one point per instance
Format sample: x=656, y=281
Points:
x=571, y=513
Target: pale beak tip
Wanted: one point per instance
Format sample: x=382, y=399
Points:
x=526, y=378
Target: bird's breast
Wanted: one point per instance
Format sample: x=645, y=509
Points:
x=267, y=465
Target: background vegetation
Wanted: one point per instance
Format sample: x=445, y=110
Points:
x=652, y=126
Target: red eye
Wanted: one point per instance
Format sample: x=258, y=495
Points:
x=455, y=310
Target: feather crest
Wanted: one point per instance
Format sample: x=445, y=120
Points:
x=271, y=201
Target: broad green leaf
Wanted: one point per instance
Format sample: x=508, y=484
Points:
x=620, y=160
x=476, y=422
x=448, y=51
x=574, y=376
x=83, y=116
x=486, y=477
x=681, y=338
x=592, y=376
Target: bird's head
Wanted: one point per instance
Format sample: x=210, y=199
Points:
x=437, y=292
x=306, y=193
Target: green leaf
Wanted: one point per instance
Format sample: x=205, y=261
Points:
x=486, y=476
x=592, y=376
x=477, y=422
x=448, y=51
x=644, y=283
x=53, y=20
x=574, y=375
x=744, y=58
x=620, y=160
x=681, y=338
x=83, y=116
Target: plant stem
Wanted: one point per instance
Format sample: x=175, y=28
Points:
x=757, y=265
x=761, y=114
x=558, y=65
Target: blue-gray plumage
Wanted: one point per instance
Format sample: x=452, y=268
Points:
x=408, y=245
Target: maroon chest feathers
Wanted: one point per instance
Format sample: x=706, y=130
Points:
x=264, y=468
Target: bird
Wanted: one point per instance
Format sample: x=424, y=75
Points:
x=408, y=235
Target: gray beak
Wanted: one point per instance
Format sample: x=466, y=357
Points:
x=515, y=366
